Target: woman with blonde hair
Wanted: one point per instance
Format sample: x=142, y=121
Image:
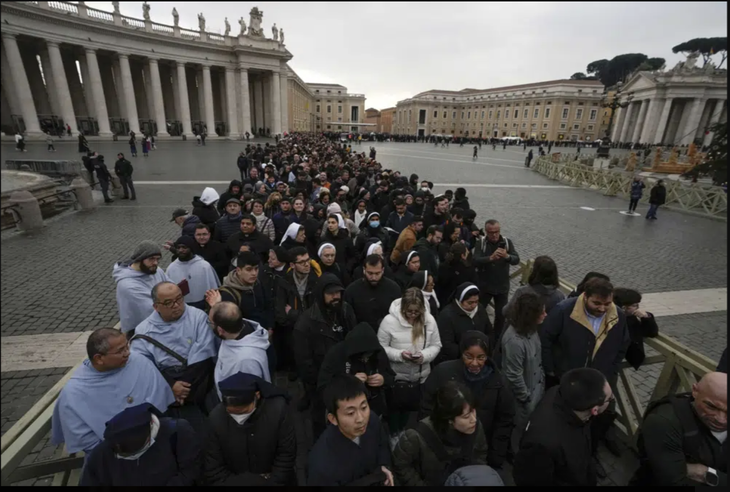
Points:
x=271, y=206
x=411, y=340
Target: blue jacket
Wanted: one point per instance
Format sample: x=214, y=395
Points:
x=637, y=189
x=399, y=223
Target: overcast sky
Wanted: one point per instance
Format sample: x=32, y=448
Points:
x=392, y=51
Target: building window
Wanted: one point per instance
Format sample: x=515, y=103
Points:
x=318, y=108
x=453, y=115
x=537, y=113
x=514, y=125
x=422, y=117
x=563, y=126
x=579, y=113
x=517, y=113
x=576, y=126
x=594, y=113
x=329, y=109
x=565, y=113
x=533, y=126
x=435, y=114
x=482, y=114
x=489, y=117
x=524, y=125
x=468, y=115
x=590, y=128
x=547, y=112
x=544, y=126
x=462, y=115
x=339, y=109
x=444, y=114
x=524, y=113
x=498, y=114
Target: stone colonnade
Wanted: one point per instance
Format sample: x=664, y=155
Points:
x=118, y=92
x=668, y=120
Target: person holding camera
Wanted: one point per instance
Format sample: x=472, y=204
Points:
x=492, y=255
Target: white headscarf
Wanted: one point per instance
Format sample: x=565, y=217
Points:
x=426, y=295
x=473, y=289
x=323, y=246
x=372, y=247
x=341, y=222
x=291, y=232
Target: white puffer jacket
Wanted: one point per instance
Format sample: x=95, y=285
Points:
x=394, y=335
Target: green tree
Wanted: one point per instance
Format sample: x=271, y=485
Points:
x=716, y=163
x=578, y=76
x=597, y=68
x=706, y=47
x=618, y=68
x=652, y=64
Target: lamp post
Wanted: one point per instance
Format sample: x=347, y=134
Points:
x=613, y=103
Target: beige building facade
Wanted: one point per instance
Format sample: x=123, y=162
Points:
x=552, y=110
x=382, y=120
x=337, y=110
x=103, y=73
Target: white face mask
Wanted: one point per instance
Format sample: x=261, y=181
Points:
x=241, y=417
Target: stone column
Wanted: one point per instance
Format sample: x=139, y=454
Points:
x=245, y=103
x=76, y=90
x=687, y=134
x=231, y=106
x=21, y=86
x=97, y=93
x=663, y=120
x=157, y=98
x=50, y=80
x=275, y=88
x=182, y=89
x=716, y=113
x=119, y=88
x=284, y=91
x=208, y=95
x=8, y=85
x=258, y=104
x=640, y=121
x=59, y=76
x=618, y=123
x=128, y=87
x=652, y=115
x=85, y=85
x=627, y=123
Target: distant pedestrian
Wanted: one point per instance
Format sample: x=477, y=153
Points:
x=504, y=145
x=248, y=135
x=83, y=144
x=528, y=159
x=19, y=142
x=203, y=134
x=133, y=145
x=123, y=169
x=49, y=141
x=657, y=198
x=145, y=146
x=198, y=137
x=474, y=157
x=637, y=188
x=103, y=175
x=153, y=145
x=68, y=129
x=494, y=145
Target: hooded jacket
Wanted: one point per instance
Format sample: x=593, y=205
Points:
x=229, y=194
x=189, y=225
x=318, y=329
x=134, y=298
x=204, y=207
x=246, y=354
x=395, y=337
x=346, y=358
x=368, y=233
x=429, y=255
x=255, y=303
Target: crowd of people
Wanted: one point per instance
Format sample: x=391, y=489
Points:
x=319, y=264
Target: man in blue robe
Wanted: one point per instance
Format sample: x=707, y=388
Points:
x=110, y=380
x=179, y=341
x=143, y=448
x=135, y=279
x=192, y=268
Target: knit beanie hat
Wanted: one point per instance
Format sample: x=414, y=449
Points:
x=144, y=250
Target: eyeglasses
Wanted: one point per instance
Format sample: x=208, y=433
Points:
x=174, y=302
x=414, y=312
x=302, y=262
x=120, y=351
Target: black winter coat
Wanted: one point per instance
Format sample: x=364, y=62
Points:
x=227, y=226
x=207, y=214
x=494, y=403
x=450, y=276
x=658, y=195
x=568, y=343
x=429, y=256
x=214, y=253
x=226, y=195
x=345, y=253
x=316, y=333
x=556, y=447
x=237, y=455
x=493, y=276
x=453, y=322
x=638, y=329
x=123, y=168
x=287, y=294
x=370, y=304
x=260, y=242
x=174, y=459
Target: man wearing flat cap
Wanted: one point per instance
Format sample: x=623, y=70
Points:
x=141, y=447
x=252, y=439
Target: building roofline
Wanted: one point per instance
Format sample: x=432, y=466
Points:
x=587, y=83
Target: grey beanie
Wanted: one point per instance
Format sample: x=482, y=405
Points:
x=474, y=476
x=144, y=250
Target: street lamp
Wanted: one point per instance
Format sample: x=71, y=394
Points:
x=613, y=103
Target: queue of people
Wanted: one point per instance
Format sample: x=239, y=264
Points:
x=405, y=378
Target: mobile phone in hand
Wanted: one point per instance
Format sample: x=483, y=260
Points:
x=184, y=287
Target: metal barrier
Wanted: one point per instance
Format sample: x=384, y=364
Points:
x=682, y=367
x=706, y=200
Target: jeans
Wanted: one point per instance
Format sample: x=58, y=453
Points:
x=652, y=211
x=126, y=182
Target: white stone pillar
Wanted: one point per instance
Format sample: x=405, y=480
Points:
x=619, y=121
x=258, y=102
x=688, y=133
x=97, y=93
x=22, y=86
x=118, y=88
x=652, y=115
x=275, y=88
x=640, y=121
x=90, y=109
x=158, y=102
x=208, y=95
x=663, y=120
x=129, y=101
x=182, y=89
x=627, y=123
x=284, y=91
x=50, y=81
x=59, y=76
x=716, y=113
x=231, y=107
x=245, y=103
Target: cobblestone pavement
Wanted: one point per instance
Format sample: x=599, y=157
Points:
x=59, y=280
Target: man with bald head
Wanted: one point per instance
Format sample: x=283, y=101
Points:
x=176, y=337
x=683, y=440
x=244, y=345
